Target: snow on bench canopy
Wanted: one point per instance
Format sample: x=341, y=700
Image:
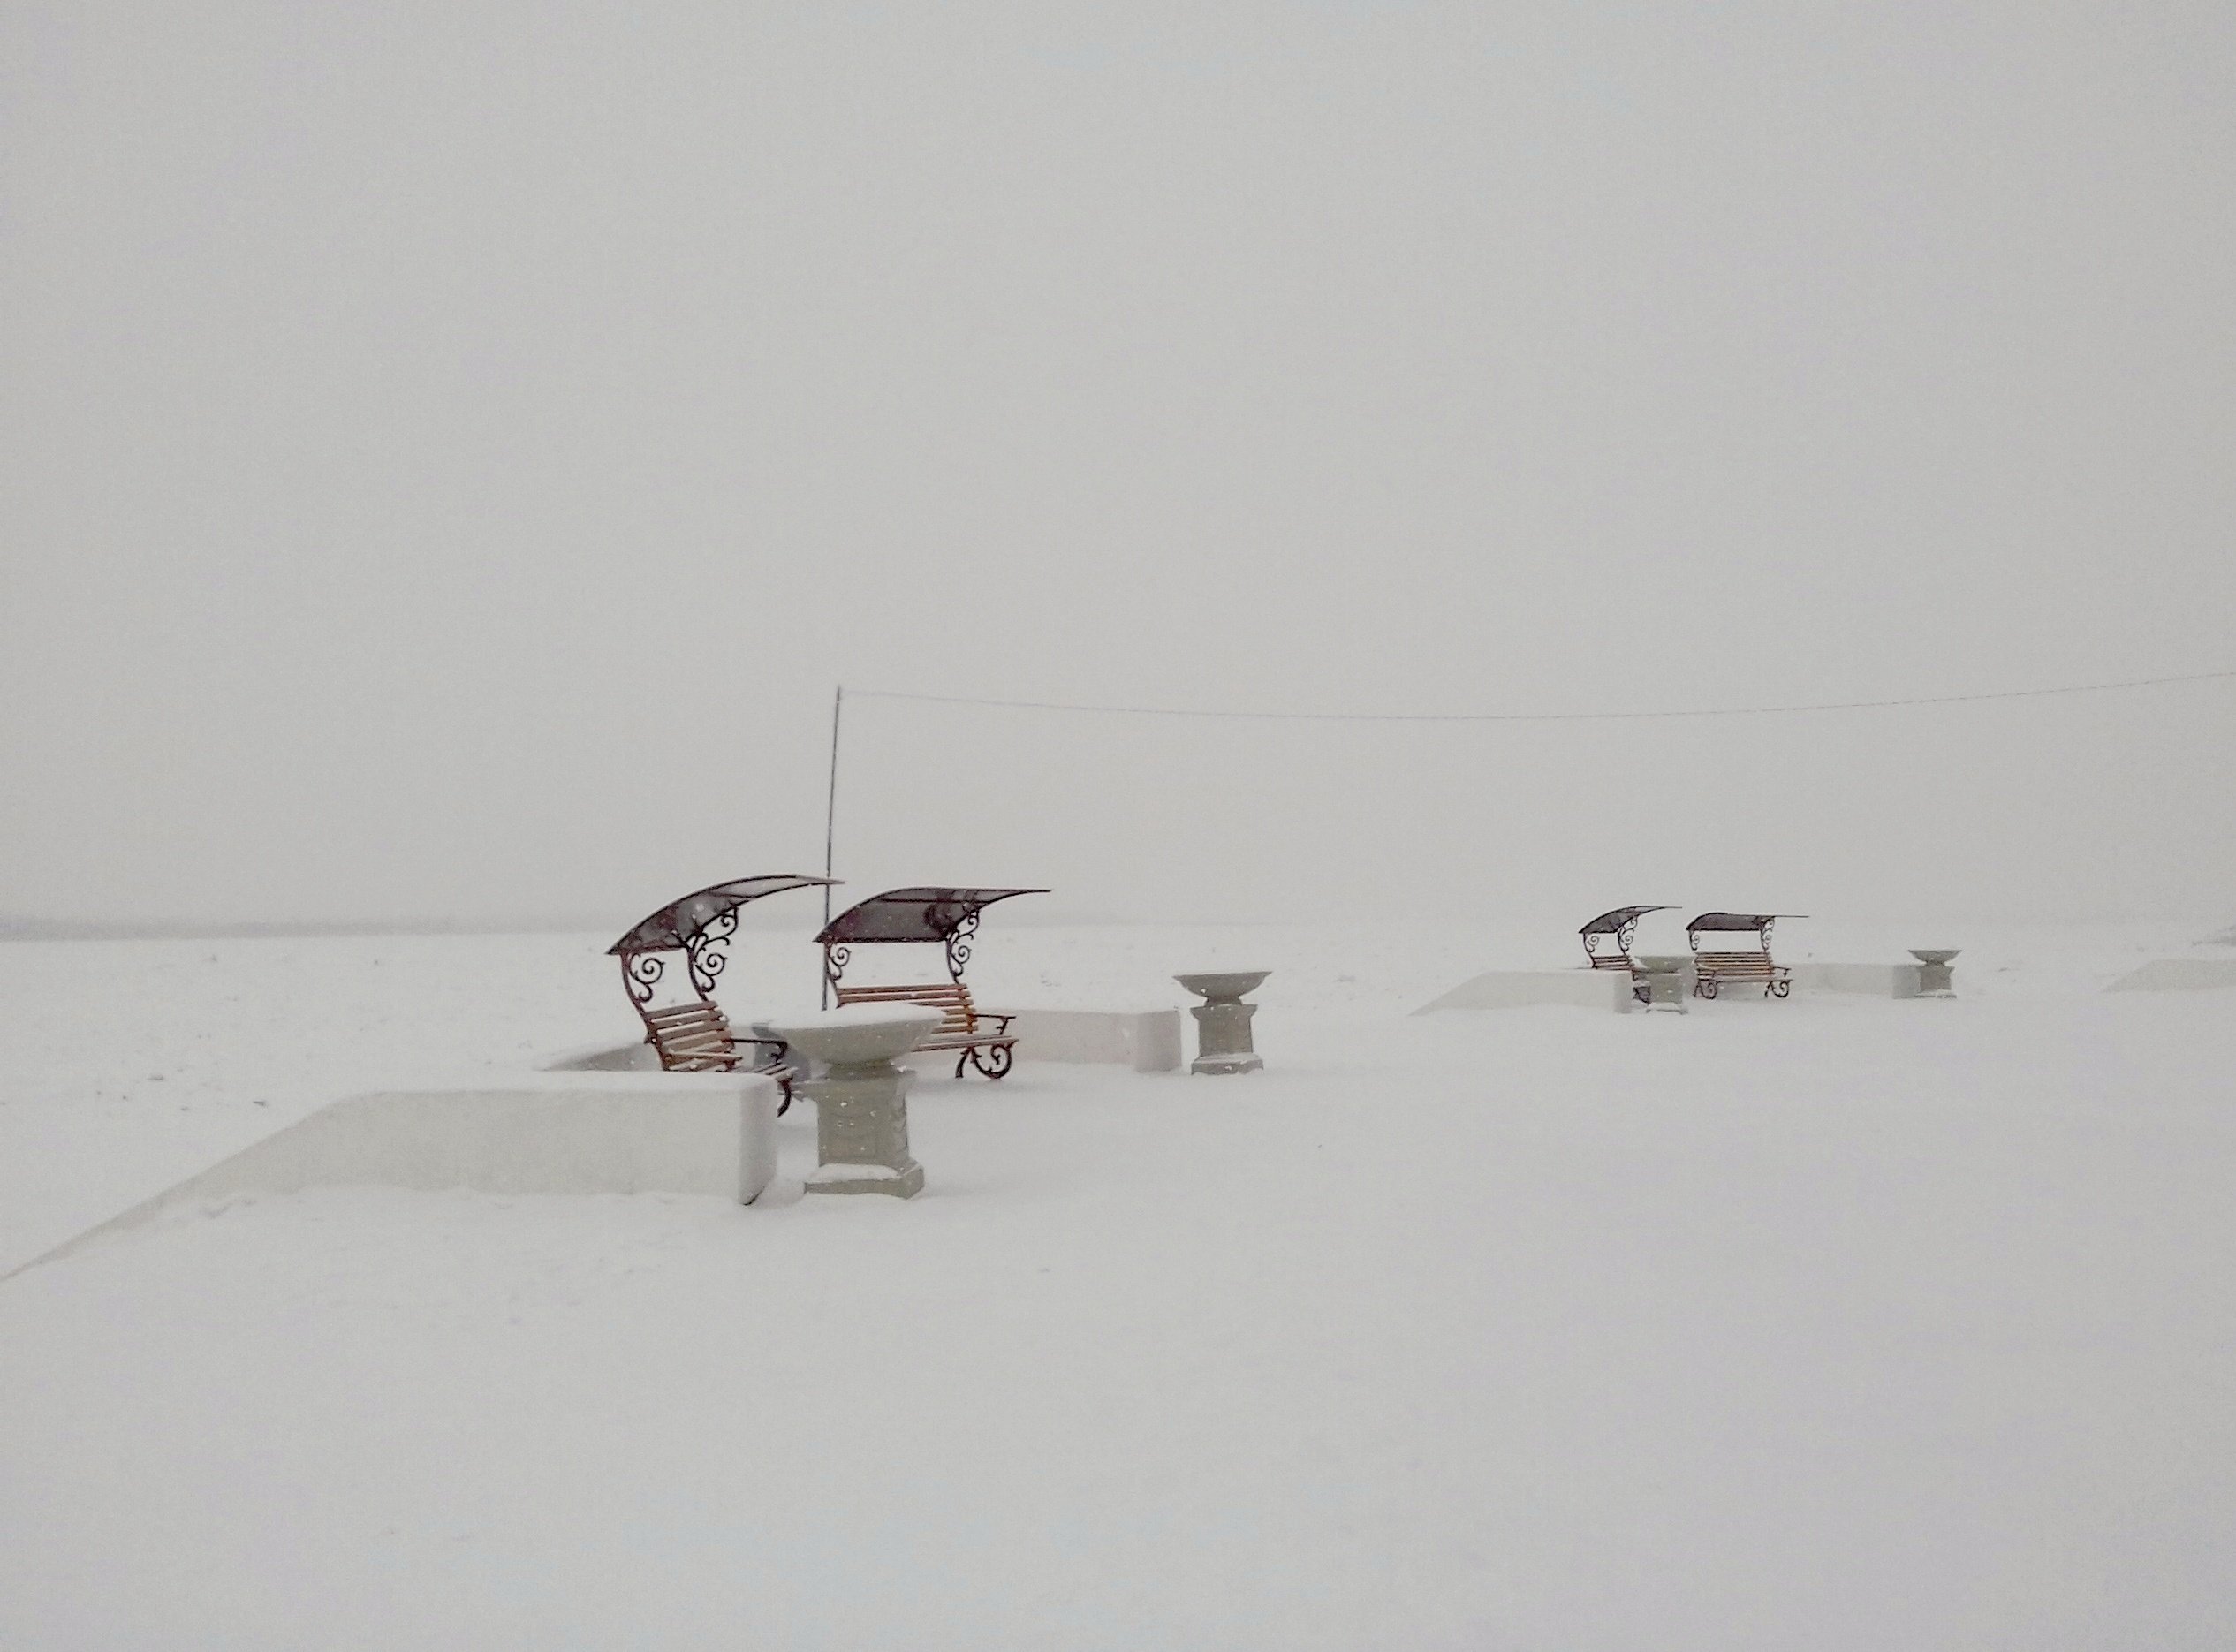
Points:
x=948, y=916
x=1621, y=918
x=1756, y=923
x=699, y=926
x=1622, y=923
x=676, y=925
x=914, y=915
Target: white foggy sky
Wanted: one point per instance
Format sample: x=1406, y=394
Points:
x=453, y=450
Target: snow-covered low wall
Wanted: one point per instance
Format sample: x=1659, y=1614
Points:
x=2177, y=975
x=1518, y=989
x=637, y=1055
x=1877, y=980
x=1147, y=1040
x=592, y=1133
x=1611, y=990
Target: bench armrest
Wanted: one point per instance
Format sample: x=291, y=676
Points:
x=773, y=1051
x=999, y=1024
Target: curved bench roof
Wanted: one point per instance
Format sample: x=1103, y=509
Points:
x=1612, y=922
x=679, y=922
x=913, y=914
x=1745, y=920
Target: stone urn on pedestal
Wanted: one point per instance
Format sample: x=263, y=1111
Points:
x=1223, y=1020
x=1663, y=975
x=1935, y=977
x=861, y=1100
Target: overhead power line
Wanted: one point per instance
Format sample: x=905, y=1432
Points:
x=1549, y=717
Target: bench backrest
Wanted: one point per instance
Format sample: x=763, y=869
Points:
x=692, y=1037
x=1716, y=962
x=950, y=998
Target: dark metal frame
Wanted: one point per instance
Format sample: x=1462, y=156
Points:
x=993, y=1060
x=1776, y=981
x=1622, y=923
x=839, y=954
x=702, y=926
x=947, y=916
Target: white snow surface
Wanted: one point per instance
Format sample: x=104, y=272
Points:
x=857, y=1173
x=859, y=1015
x=1835, y=1323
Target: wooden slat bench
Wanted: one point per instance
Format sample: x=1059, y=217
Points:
x=1712, y=969
x=983, y=1040
x=695, y=1036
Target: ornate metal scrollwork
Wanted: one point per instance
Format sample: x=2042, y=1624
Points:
x=958, y=944
x=993, y=1060
x=1623, y=935
x=640, y=972
x=836, y=957
x=708, y=950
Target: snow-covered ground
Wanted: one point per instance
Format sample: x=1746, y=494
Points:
x=1833, y=1324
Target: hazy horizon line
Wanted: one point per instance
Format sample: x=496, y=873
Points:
x=19, y=928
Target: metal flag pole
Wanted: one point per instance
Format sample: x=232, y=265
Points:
x=830, y=821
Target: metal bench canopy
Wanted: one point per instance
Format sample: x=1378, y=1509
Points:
x=692, y=1034
x=699, y=926
x=949, y=916
x=1757, y=923
x=1622, y=923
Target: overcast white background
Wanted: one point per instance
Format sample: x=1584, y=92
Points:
x=452, y=451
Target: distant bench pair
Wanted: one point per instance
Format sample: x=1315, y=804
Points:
x=693, y=1036
x=1607, y=943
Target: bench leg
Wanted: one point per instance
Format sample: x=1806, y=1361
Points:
x=993, y=1060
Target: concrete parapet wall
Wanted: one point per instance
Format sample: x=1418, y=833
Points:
x=1147, y=1040
x=1611, y=990
x=1519, y=988
x=711, y=1133
x=638, y=1055
x=1877, y=980
x=2177, y=975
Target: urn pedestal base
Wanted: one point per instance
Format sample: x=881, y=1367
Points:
x=868, y=1179
x=1664, y=979
x=861, y=1132
x=861, y=1100
x=1935, y=979
x=1223, y=1022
